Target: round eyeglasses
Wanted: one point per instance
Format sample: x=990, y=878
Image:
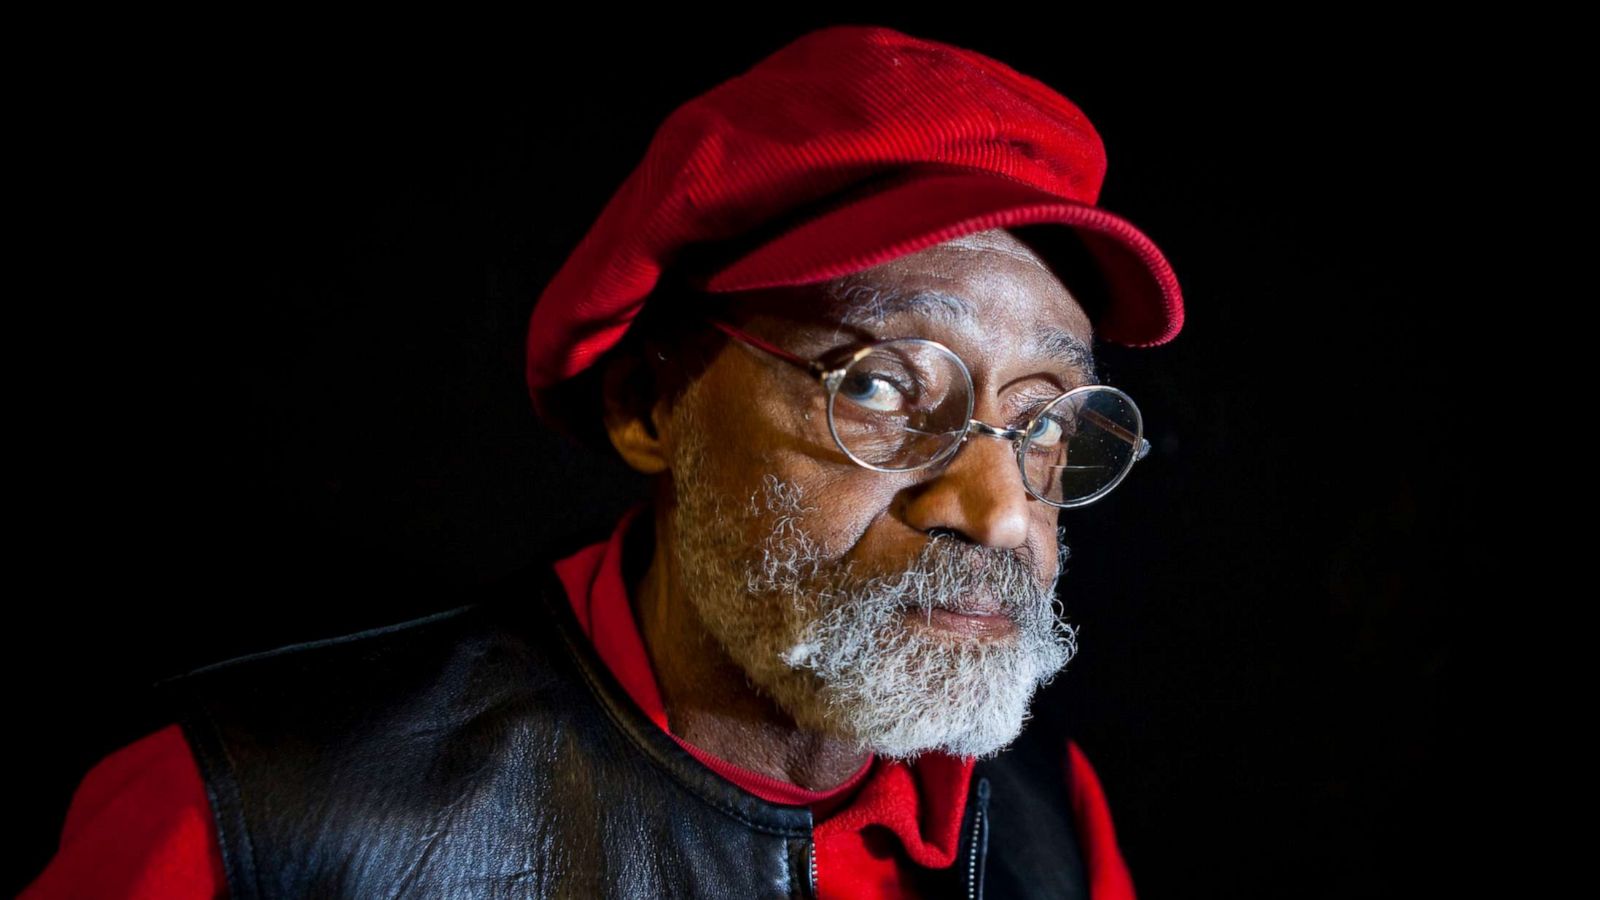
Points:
x=905, y=404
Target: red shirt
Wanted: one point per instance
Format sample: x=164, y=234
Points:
x=139, y=824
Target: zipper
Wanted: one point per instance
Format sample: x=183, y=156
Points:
x=811, y=864
x=980, y=843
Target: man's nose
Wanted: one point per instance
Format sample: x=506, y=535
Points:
x=979, y=493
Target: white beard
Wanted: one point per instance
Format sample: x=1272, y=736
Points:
x=832, y=648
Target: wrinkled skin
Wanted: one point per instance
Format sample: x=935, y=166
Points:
x=789, y=607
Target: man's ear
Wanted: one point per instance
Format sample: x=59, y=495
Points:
x=629, y=392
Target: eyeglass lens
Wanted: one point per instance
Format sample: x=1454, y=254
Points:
x=900, y=406
x=906, y=403
x=1081, y=445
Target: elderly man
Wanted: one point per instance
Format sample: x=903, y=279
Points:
x=843, y=313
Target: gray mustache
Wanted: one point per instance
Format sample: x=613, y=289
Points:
x=944, y=583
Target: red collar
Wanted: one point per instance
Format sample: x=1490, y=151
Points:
x=921, y=802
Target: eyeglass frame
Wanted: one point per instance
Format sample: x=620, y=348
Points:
x=830, y=378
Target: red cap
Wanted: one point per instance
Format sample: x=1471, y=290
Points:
x=847, y=148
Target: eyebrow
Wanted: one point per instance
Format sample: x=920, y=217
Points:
x=863, y=304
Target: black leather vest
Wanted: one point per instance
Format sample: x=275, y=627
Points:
x=487, y=751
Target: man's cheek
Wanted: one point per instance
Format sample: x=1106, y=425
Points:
x=847, y=521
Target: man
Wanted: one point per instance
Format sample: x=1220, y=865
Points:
x=863, y=384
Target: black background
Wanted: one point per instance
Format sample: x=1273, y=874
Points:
x=271, y=391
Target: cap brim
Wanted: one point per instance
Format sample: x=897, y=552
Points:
x=890, y=219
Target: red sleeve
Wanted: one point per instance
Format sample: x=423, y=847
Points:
x=139, y=826
x=1107, y=873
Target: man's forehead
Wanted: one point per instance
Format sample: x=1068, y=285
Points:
x=861, y=303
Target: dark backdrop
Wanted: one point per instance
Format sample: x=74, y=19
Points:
x=275, y=394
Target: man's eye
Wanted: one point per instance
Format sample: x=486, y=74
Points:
x=873, y=391
x=1049, y=431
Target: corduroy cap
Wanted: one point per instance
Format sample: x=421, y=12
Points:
x=848, y=147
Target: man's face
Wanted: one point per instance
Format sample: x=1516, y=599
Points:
x=835, y=586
